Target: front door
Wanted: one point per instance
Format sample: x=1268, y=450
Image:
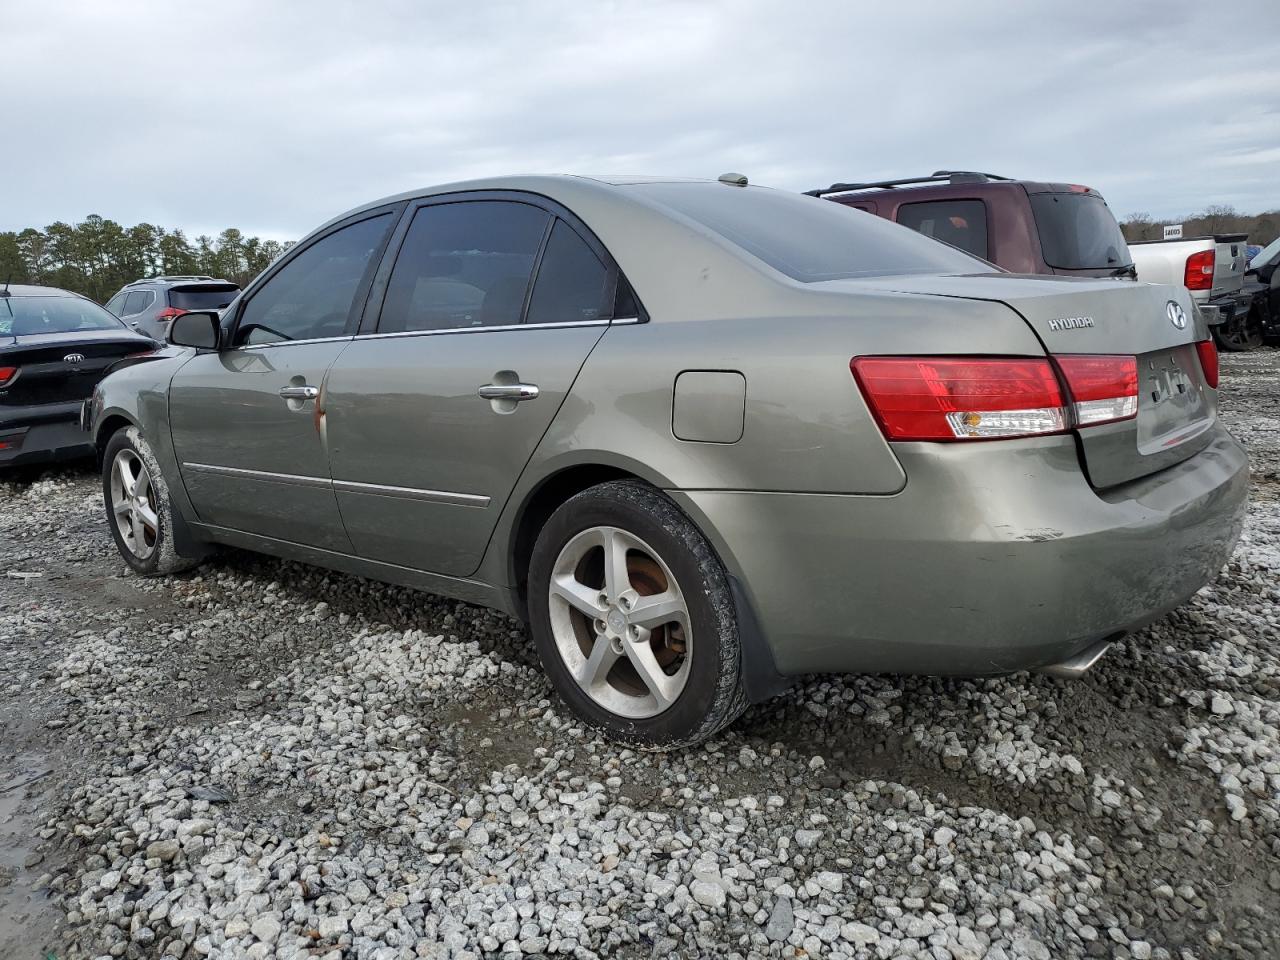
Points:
x=246, y=428
x=491, y=309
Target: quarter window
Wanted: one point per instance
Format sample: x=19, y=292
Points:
x=312, y=295
x=116, y=304
x=572, y=283
x=464, y=264
x=961, y=223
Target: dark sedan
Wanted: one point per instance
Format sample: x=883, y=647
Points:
x=54, y=347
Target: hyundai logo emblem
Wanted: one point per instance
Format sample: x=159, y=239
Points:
x=73, y=358
x=1177, y=316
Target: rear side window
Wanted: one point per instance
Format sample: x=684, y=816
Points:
x=208, y=297
x=961, y=223
x=1078, y=232
x=311, y=296
x=464, y=264
x=572, y=284
x=137, y=301
x=116, y=304
x=806, y=238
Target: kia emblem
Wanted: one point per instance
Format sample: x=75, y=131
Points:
x=73, y=358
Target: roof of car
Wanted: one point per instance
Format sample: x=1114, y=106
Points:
x=32, y=290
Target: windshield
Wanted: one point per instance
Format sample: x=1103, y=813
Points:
x=1078, y=232
x=30, y=316
x=1265, y=254
x=806, y=238
x=202, y=298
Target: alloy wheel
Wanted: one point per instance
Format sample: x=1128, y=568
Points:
x=620, y=622
x=133, y=504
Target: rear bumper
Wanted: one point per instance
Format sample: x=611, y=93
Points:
x=993, y=558
x=43, y=434
x=1223, y=309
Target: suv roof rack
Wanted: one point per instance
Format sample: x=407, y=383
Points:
x=165, y=279
x=939, y=176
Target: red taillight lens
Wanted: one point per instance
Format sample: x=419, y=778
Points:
x=168, y=313
x=1208, y=351
x=961, y=398
x=1199, y=272
x=1103, y=388
x=7, y=374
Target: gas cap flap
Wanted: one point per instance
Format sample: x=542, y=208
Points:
x=709, y=406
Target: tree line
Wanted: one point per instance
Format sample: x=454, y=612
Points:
x=97, y=257
x=1262, y=228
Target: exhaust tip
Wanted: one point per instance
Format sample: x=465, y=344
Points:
x=1075, y=667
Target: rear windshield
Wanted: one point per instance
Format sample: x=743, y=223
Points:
x=806, y=238
x=202, y=298
x=28, y=316
x=1078, y=232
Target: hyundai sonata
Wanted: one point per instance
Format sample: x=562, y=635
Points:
x=704, y=437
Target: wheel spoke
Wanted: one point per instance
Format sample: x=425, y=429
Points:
x=139, y=533
x=578, y=595
x=597, y=666
x=148, y=516
x=616, y=578
x=664, y=689
x=654, y=611
x=127, y=482
x=121, y=508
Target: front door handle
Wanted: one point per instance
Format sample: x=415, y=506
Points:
x=299, y=393
x=508, y=391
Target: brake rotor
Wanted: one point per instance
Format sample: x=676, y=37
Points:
x=647, y=579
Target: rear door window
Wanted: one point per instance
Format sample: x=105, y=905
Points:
x=137, y=301
x=464, y=264
x=1078, y=232
x=961, y=223
x=572, y=284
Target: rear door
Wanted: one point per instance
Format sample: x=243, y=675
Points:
x=493, y=303
x=245, y=419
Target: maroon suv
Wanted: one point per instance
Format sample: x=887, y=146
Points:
x=1022, y=226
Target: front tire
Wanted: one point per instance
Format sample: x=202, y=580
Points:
x=633, y=618
x=139, y=513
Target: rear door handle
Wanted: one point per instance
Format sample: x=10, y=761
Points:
x=508, y=391
x=299, y=393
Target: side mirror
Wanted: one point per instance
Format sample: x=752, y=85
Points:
x=199, y=329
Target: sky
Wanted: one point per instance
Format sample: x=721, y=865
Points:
x=274, y=116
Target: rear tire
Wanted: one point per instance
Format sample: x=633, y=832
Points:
x=1241, y=334
x=645, y=648
x=139, y=512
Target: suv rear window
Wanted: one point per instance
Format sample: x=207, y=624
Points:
x=806, y=238
x=206, y=297
x=961, y=223
x=1078, y=232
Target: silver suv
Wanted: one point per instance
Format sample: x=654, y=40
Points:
x=150, y=305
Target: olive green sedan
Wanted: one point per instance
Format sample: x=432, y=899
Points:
x=703, y=437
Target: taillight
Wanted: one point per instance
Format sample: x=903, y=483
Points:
x=961, y=398
x=7, y=374
x=1103, y=388
x=168, y=313
x=1208, y=351
x=1199, y=272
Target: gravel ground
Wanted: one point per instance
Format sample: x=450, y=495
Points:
x=259, y=759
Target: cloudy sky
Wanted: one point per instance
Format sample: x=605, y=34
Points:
x=272, y=117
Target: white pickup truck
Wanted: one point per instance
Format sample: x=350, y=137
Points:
x=1212, y=268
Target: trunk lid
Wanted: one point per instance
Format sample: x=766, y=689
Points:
x=1176, y=406
x=46, y=375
